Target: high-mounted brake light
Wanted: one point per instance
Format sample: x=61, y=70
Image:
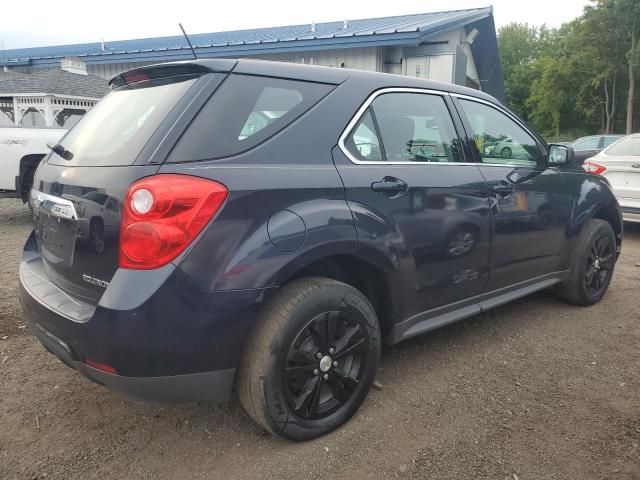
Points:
x=593, y=168
x=162, y=215
x=132, y=77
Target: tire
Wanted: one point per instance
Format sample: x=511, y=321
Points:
x=506, y=152
x=589, y=280
x=284, y=385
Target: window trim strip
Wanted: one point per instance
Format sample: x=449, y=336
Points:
x=361, y=111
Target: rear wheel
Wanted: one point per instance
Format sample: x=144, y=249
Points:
x=592, y=263
x=312, y=359
x=506, y=152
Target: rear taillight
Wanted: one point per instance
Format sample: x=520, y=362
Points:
x=105, y=367
x=162, y=215
x=593, y=168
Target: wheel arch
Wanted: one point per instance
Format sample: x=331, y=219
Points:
x=369, y=277
x=610, y=214
x=595, y=199
x=27, y=169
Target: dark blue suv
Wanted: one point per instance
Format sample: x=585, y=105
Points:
x=222, y=224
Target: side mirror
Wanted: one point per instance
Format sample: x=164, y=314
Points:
x=561, y=155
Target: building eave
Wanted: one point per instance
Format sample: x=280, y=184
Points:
x=411, y=35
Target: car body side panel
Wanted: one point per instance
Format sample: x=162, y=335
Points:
x=592, y=195
x=414, y=230
x=262, y=233
x=529, y=234
x=280, y=215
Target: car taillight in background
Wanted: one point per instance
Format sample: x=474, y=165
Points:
x=162, y=215
x=594, y=168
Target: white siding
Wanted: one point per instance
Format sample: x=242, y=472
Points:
x=369, y=58
x=108, y=71
x=381, y=59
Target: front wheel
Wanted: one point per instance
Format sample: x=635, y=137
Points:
x=311, y=360
x=592, y=262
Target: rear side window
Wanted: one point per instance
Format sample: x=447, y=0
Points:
x=590, y=143
x=244, y=112
x=405, y=127
x=626, y=147
x=363, y=143
x=609, y=140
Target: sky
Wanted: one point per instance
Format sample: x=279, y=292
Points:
x=32, y=23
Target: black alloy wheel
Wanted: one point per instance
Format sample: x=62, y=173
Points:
x=599, y=264
x=311, y=359
x=324, y=364
x=592, y=259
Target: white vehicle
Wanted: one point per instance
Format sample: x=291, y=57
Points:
x=620, y=165
x=21, y=150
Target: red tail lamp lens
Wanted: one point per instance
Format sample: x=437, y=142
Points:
x=162, y=215
x=104, y=367
x=594, y=168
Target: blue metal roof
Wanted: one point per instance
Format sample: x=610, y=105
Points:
x=398, y=30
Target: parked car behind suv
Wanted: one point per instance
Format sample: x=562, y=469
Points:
x=587, y=147
x=277, y=222
x=620, y=165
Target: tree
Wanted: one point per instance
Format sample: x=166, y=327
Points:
x=575, y=79
x=626, y=12
x=550, y=98
x=520, y=46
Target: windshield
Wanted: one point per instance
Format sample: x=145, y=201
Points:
x=625, y=147
x=117, y=128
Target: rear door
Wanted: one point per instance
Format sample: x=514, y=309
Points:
x=530, y=203
x=77, y=195
x=416, y=200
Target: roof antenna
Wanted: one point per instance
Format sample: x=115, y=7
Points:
x=188, y=41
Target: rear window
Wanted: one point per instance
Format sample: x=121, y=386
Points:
x=628, y=146
x=245, y=111
x=117, y=128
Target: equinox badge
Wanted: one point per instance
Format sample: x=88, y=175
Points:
x=95, y=281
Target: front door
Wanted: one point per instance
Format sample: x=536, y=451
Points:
x=530, y=204
x=416, y=203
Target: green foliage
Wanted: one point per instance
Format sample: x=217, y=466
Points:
x=575, y=78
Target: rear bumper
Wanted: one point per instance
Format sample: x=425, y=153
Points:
x=208, y=386
x=180, y=344
x=631, y=214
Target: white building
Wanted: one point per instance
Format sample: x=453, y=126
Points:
x=456, y=46
x=50, y=97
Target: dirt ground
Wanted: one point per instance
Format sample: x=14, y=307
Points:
x=534, y=390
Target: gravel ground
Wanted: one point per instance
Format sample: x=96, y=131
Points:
x=533, y=390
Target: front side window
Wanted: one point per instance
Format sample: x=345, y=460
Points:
x=499, y=139
x=626, y=147
x=405, y=127
x=245, y=111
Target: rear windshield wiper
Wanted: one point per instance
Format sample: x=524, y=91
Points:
x=60, y=150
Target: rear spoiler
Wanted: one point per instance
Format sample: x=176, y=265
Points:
x=161, y=70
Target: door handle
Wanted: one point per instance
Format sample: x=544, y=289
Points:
x=503, y=188
x=389, y=185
